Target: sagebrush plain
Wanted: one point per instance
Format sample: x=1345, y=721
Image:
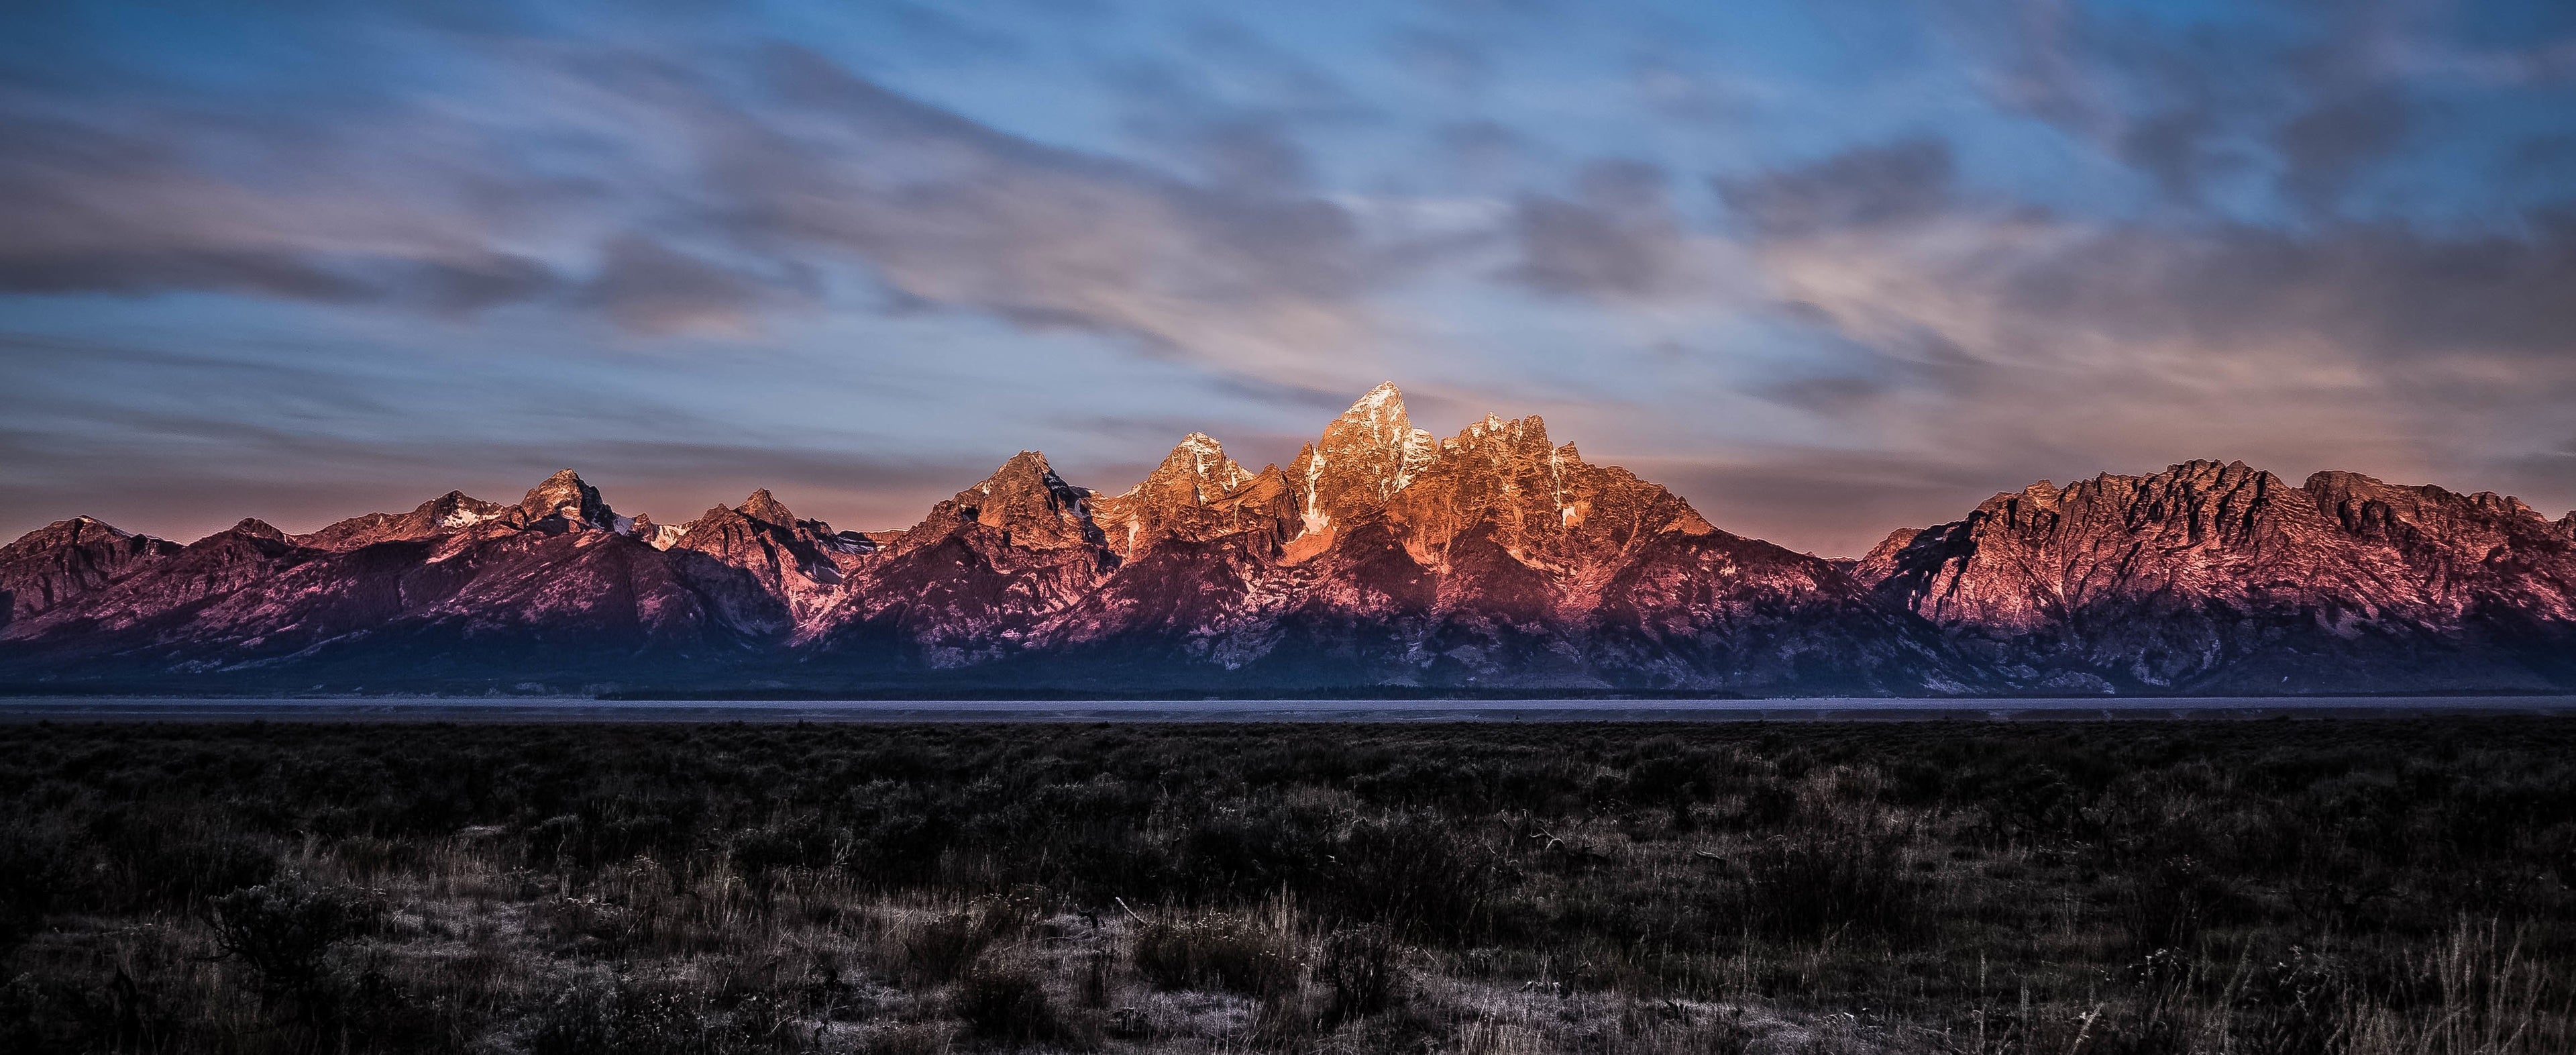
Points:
x=2261, y=887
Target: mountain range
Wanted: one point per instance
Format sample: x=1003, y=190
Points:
x=1382, y=558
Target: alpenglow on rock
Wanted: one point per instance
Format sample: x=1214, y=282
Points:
x=2218, y=577
x=1365, y=457
x=1380, y=557
x=564, y=496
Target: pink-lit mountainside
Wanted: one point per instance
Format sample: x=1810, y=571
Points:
x=1381, y=558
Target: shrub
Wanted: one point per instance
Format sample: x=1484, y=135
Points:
x=1008, y=1005
x=282, y=930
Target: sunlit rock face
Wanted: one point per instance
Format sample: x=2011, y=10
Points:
x=1497, y=557
x=1196, y=494
x=564, y=497
x=2223, y=578
x=1364, y=457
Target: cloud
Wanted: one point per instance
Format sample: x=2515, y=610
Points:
x=2328, y=145
x=117, y=204
x=956, y=214
x=2299, y=98
x=1618, y=237
x=1999, y=331
x=757, y=174
x=647, y=287
x=1867, y=187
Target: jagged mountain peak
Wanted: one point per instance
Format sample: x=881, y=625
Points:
x=77, y=531
x=1197, y=493
x=1024, y=497
x=1022, y=468
x=1529, y=432
x=82, y=528
x=2196, y=473
x=1377, y=420
x=766, y=508
x=1197, y=471
x=254, y=527
x=456, y=509
x=567, y=495
x=1364, y=457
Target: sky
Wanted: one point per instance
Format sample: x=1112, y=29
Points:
x=1824, y=268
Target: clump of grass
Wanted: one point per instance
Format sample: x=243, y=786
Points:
x=1254, y=957
x=1359, y=973
x=948, y=947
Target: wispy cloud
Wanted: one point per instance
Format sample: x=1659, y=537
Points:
x=1922, y=250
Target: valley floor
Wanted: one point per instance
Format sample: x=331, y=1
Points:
x=2383, y=885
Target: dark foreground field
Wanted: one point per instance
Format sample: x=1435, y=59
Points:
x=2262, y=887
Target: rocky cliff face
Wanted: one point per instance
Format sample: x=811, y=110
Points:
x=1496, y=557
x=2224, y=578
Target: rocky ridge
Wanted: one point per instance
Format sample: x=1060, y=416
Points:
x=1381, y=556
x=2224, y=578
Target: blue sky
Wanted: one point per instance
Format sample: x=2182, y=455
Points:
x=1825, y=268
